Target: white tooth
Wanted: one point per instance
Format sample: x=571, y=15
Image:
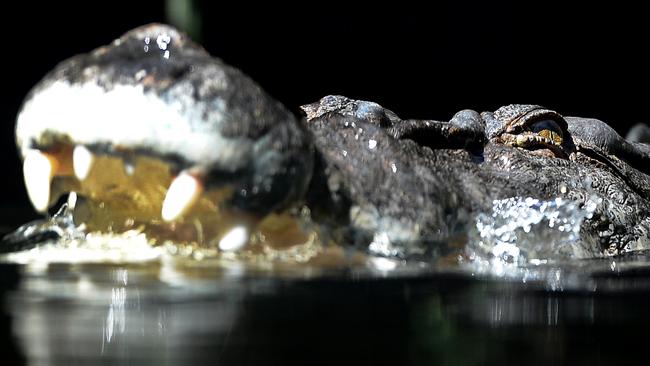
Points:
x=72, y=200
x=82, y=161
x=38, y=170
x=182, y=193
x=235, y=239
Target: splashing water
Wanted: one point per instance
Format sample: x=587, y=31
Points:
x=59, y=239
x=527, y=231
x=60, y=226
x=523, y=238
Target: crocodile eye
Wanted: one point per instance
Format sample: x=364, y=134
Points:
x=547, y=128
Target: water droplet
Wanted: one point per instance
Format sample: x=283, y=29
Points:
x=146, y=44
x=163, y=41
x=372, y=144
x=393, y=167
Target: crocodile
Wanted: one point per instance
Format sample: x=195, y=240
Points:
x=153, y=132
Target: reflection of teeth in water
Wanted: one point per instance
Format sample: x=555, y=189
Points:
x=38, y=170
x=82, y=160
x=182, y=193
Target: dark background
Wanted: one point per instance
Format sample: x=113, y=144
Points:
x=424, y=61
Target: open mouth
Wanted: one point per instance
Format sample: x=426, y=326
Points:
x=145, y=194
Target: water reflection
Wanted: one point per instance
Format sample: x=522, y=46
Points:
x=167, y=309
x=85, y=313
x=116, y=316
x=99, y=312
x=516, y=309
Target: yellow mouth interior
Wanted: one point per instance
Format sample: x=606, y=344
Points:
x=116, y=197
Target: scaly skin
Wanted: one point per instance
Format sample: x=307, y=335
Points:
x=430, y=190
